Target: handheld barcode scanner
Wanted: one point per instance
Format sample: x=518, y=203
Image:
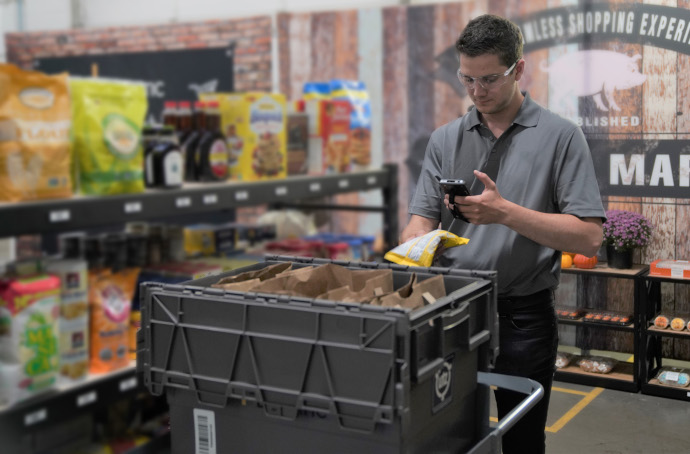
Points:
x=453, y=188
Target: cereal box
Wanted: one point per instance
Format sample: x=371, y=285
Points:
x=29, y=308
x=254, y=125
x=329, y=135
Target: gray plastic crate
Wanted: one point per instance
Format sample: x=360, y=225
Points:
x=288, y=374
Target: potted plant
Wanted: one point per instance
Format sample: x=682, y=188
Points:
x=624, y=231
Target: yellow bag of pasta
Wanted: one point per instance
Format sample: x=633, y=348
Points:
x=108, y=116
x=35, y=123
x=420, y=251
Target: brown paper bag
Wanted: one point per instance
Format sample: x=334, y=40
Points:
x=262, y=274
x=365, y=285
x=411, y=294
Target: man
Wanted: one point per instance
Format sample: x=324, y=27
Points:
x=545, y=199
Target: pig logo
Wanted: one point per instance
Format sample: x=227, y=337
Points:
x=604, y=72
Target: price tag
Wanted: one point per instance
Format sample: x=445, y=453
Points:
x=60, y=216
x=127, y=384
x=183, y=202
x=87, y=398
x=242, y=195
x=342, y=184
x=35, y=417
x=371, y=180
x=281, y=190
x=672, y=376
x=132, y=207
x=315, y=187
x=210, y=199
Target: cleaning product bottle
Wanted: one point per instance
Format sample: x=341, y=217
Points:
x=212, y=153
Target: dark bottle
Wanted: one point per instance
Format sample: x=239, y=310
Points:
x=191, y=142
x=170, y=114
x=149, y=138
x=184, y=120
x=212, y=155
x=167, y=161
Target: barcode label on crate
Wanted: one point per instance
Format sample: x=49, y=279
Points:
x=205, y=431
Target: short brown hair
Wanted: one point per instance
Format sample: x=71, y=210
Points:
x=490, y=34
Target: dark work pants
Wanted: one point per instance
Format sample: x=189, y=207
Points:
x=528, y=336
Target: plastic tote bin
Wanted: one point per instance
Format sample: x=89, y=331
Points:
x=263, y=373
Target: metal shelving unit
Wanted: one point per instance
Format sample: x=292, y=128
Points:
x=650, y=339
x=82, y=213
x=626, y=377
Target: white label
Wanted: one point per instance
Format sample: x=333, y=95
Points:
x=183, y=202
x=242, y=195
x=35, y=417
x=60, y=216
x=87, y=398
x=315, y=187
x=676, y=271
x=688, y=393
x=127, y=384
x=672, y=376
x=281, y=190
x=205, y=431
x=133, y=207
x=210, y=199
x=371, y=180
x=342, y=184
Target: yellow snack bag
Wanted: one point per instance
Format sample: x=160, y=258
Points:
x=108, y=116
x=35, y=121
x=420, y=251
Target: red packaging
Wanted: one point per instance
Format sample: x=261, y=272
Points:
x=679, y=269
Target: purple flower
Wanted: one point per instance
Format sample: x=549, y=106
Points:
x=626, y=229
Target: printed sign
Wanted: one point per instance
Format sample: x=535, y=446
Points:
x=642, y=168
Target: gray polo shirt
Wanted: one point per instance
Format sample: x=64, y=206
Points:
x=545, y=166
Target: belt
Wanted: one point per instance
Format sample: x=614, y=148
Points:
x=538, y=300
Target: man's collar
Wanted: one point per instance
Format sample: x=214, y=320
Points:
x=527, y=116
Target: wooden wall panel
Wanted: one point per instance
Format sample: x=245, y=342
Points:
x=323, y=48
x=449, y=21
x=283, y=23
x=681, y=347
x=534, y=80
x=300, y=54
x=395, y=99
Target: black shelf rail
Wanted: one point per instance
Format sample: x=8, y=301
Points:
x=650, y=339
x=566, y=321
x=82, y=212
x=64, y=402
x=602, y=271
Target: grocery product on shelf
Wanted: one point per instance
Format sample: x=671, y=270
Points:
x=359, y=137
x=570, y=313
x=609, y=317
x=661, y=321
x=189, y=138
x=563, y=359
x=29, y=355
x=211, y=156
x=257, y=121
x=111, y=289
x=671, y=376
x=35, y=120
x=297, y=143
x=678, y=324
x=165, y=162
x=597, y=364
x=74, y=317
x=107, y=122
x=670, y=268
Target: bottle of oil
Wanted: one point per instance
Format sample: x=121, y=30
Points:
x=170, y=114
x=191, y=141
x=212, y=154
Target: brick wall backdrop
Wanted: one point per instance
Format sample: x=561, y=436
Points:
x=252, y=35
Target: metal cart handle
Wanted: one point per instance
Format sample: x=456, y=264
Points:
x=492, y=442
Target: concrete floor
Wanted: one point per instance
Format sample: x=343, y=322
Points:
x=615, y=422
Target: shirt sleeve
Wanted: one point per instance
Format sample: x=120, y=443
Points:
x=577, y=190
x=428, y=198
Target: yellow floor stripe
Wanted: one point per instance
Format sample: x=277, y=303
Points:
x=569, y=391
x=570, y=414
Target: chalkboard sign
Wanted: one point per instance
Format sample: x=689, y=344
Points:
x=173, y=75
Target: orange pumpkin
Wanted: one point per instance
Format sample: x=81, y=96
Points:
x=566, y=261
x=583, y=262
